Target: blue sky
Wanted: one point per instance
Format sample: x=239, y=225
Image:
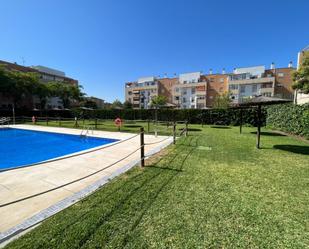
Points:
x=105, y=43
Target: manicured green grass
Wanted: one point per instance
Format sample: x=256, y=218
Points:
x=214, y=189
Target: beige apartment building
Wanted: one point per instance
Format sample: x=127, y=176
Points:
x=199, y=91
x=302, y=98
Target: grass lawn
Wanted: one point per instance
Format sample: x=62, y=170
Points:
x=212, y=190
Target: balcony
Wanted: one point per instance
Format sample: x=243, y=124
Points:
x=266, y=90
x=142, y=86
x=252, y=81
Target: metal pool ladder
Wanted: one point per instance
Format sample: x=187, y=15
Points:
x=86, y=131
x=4, y=121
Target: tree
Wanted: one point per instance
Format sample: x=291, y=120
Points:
x=17, y=85
x=301, y=76
x=90, y=104
x=158, y=101
x=127, y=105
x=67, y=93
x=222, y=101
x=117, y=104
x=42, y=92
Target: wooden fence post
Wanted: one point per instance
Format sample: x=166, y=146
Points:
x=186, y=132
x=174, y=132
x=142, y=147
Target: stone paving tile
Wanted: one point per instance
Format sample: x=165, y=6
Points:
x=19, y=183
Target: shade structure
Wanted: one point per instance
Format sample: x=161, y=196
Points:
x=258, y=102
x=263, y=100
x=86, y=108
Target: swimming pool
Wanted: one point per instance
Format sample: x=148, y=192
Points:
x=19, y=147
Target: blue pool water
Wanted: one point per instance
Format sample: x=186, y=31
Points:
x=20, y=147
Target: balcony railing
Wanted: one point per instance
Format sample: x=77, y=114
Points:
x=252, y=81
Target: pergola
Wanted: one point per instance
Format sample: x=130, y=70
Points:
x=258, y=102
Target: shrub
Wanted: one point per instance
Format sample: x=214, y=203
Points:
x=289, y=118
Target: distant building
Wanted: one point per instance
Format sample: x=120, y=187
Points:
x=302, y=98
x=46, y=75
x=199, y=91
x=99, y=102
x=251, y=81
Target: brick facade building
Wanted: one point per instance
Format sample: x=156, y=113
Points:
x=199, y=91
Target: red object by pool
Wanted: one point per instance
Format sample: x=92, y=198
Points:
x=118, y=122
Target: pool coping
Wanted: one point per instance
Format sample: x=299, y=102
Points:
x=82, y=152
x=12, y=233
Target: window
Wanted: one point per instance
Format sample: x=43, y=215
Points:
x=233, y=87
x=130, y=93
x=184, y=92
x=221, y=80
x=242, y=89
x=177, y=98
x=193, y=90
x=254, y=88
x=212, y=80
x=280, y=74
x=221, y=89
x=184, y=100
x=176, y=89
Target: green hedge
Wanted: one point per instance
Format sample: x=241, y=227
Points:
x=194, y=116
x=290, y=118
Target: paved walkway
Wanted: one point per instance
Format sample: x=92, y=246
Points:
x=19, y=183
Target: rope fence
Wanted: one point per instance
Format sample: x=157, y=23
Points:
x=142, y=161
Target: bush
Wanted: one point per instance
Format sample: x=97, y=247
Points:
x=289, y=118
x=194, y=116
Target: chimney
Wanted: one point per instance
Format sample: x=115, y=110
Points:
x=272, y=65
x=210, y=71
x=290, y=64
x=223, y=71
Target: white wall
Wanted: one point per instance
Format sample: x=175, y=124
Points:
x=189, y=77
x=256, y=71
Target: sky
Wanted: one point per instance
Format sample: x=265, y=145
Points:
x=105, y=43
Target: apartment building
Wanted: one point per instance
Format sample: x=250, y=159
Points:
x=217, y=84
x=46, y=75
x=99, y=102
x=302, y=98
x=251, y=81
x=140, y=93
x=198, y=91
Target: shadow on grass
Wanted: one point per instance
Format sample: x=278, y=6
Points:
x=297, y=149
x=133, y=126
x=264, y=133
x=220, y=127
x=163, y=168
x=155, y=174
x=190, y=129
